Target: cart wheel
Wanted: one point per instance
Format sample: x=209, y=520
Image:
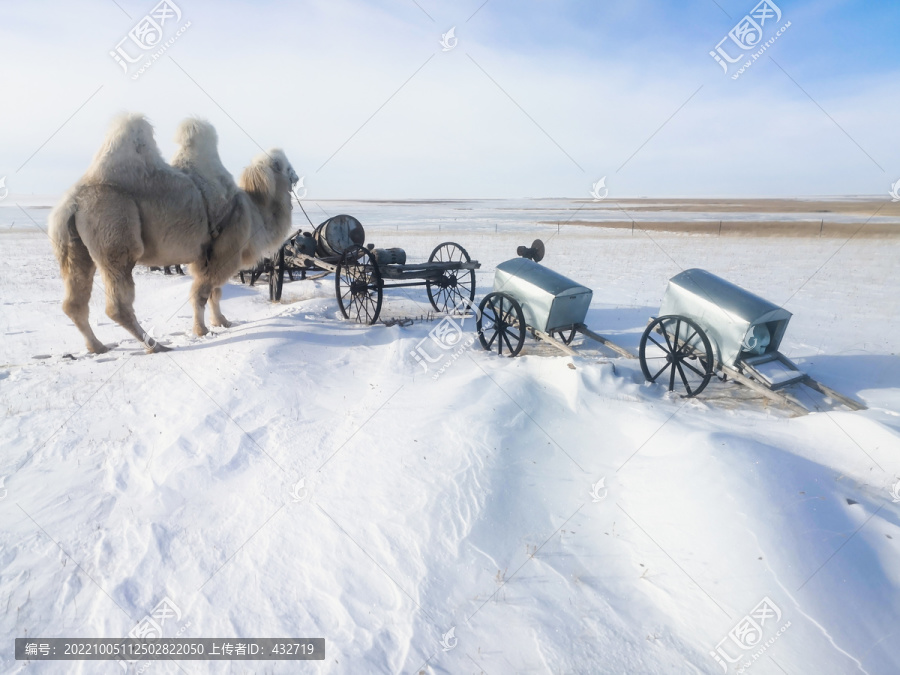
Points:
x=358, y=285
x=276, y=276
x=684, y=351
x=564, y=335
x=455, y=286
x=257, y=271
x=500, y=321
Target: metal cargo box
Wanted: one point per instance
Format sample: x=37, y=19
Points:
x=549, y=300
x=739, y=324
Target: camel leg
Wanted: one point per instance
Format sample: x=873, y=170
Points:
x=120, y=305
x=217, y=318
x=78, y=279
x=201, y=290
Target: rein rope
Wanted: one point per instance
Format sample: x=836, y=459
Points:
x=293, y=192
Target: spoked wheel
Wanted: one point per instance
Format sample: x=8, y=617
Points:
x=564, y=335
x=501, y=322
x=455, y=287
x=676, y=349
x=358, y=285
x=257, y=271
x=276, y=276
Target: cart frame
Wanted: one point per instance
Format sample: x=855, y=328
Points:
x=360, y=281
x=687, y=353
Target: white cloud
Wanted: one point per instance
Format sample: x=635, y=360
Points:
x=306, y=78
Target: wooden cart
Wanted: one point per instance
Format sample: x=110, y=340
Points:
x=707, y=326
x=362, y=273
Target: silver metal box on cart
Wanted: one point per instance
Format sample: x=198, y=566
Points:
x=706, y=326
x=549, y=300
x=740, y=325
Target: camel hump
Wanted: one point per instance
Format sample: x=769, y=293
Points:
x=127, y=154
x=197, y=133
x=130, y=137
x=198, y=152
x=198, y=157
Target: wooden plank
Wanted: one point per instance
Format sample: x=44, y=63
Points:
x=781, y=384
x=761, y=359
x=851, y=403
x=562, y=346
x=780, y=397
x=391, y=272
x=446, y=265
x=318, y=262
x=426, y=271
x=766, y=380
x=584, y=330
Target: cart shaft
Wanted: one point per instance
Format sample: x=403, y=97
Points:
x=584, y=330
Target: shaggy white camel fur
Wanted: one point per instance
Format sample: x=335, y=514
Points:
x=198, y=157
x=131, y=207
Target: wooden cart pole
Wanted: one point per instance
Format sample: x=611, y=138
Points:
x=584, y=330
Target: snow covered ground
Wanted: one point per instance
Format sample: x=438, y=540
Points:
x=297, y=475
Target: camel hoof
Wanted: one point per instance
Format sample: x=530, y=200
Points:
x=98, y=348
x=157, y=348
x=200, y=331
x=222, y=323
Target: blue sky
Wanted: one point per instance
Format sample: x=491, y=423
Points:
x=538, y=98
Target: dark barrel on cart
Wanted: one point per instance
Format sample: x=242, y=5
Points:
x=337, y=234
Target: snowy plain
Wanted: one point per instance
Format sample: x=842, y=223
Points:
x=470, y=502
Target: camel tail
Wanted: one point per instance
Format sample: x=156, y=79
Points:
x=61, y=228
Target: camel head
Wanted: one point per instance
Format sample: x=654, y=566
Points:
x=281, y=163
x=268, y=181
x=270, y=176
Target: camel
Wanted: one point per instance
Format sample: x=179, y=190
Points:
x=130, y=207
x=248, y=237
